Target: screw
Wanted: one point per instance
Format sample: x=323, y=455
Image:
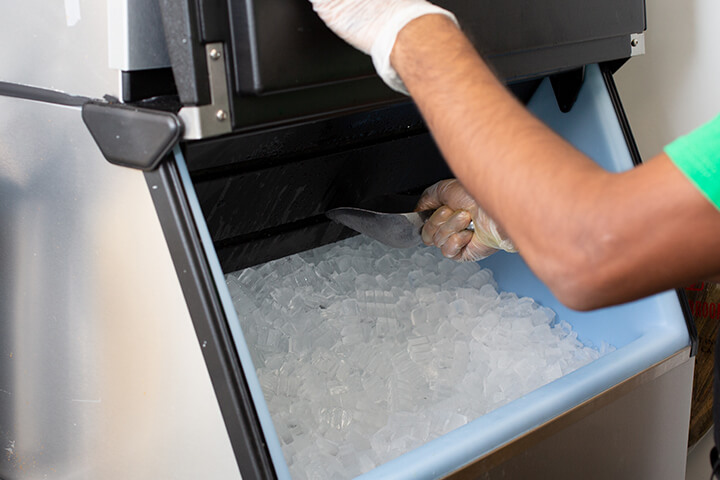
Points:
x=634, y=42
x=221, y=115
x=214, y=54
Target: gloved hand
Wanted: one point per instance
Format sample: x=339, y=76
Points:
x=446, y=228
x=372, y=26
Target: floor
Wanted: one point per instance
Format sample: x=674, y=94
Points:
x=698, y=461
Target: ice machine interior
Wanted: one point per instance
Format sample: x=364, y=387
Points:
x=644, y=333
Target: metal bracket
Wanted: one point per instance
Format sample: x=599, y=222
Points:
x=213, y=119
x=637, y=44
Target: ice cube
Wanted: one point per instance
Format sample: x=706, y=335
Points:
x=425, y=295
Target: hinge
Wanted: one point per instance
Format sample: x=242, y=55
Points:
x=213, y=119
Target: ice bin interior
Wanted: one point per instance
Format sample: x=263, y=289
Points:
x=643, y=332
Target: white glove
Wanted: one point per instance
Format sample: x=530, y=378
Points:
x=446, y=228
x=372, y=26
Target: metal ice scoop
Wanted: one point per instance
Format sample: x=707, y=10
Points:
x=400, y=230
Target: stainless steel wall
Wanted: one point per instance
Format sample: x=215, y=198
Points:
x=101, y=375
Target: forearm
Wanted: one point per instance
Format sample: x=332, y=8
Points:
x=567, y=217
x=508, y=160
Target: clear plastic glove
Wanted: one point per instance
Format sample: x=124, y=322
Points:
x=372, y=26
x=447, y=227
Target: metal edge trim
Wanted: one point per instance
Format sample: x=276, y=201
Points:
x=505, y=452
x=210, y=324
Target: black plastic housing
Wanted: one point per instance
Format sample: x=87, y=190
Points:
x=286, y=46
x=265, y=193
x=284, y=65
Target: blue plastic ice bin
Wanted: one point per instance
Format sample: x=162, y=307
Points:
x=644, y=332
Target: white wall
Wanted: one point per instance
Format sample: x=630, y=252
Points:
x=675, y=86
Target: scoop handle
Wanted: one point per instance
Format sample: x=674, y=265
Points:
x=425, y=214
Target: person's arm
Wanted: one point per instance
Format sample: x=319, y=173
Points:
x=595, y=238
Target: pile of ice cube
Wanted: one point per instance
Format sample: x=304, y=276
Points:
x=365, y=352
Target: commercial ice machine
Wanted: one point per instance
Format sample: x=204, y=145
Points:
x=148, y=148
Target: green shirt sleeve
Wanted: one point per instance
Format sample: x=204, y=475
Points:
x=697, y=155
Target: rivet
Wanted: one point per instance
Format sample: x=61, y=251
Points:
x=214, y=53
x=221, y=115
x=634, y=42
